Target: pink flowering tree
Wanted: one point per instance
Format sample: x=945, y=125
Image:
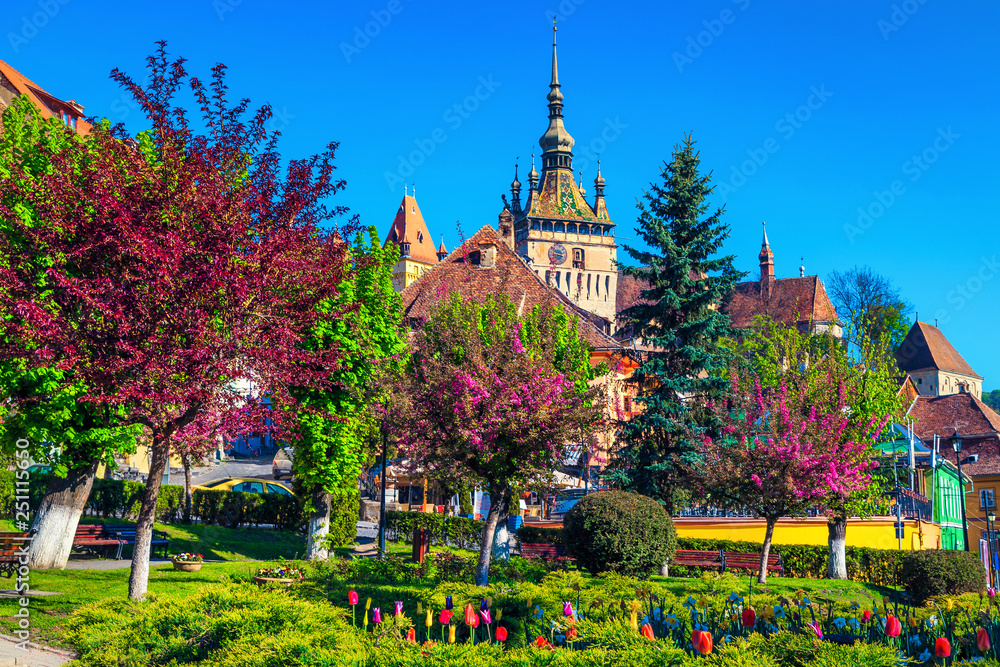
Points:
x=491, y=398
x=779, y=454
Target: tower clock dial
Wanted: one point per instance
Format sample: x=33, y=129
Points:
x=557, y=254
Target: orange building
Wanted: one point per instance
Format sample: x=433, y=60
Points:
x=13, y=84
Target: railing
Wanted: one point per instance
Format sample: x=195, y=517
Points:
x=915, y=506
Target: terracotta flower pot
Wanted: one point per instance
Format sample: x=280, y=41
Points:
x=186, y=566
x=286, y=582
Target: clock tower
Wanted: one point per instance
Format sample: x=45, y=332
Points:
x=568, y=241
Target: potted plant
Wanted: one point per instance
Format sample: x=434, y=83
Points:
x=186, y=562
x=284, y=574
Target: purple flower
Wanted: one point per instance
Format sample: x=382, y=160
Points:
x=447, y=602
x=483, y=605
x=567, y=608
x=399, y=607
x=486, y=616
x=377, y=614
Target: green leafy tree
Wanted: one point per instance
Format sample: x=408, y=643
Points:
x=335, y=423
x=678, y=317
x=992, y=399
x=42, y=404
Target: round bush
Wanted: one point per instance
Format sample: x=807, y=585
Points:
x=938, y=572
x=617, y=531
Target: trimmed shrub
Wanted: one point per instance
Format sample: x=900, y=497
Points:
x=538, y=535
x=344, y=516
x=619, y=532
x=453, y=531
x=939, y=572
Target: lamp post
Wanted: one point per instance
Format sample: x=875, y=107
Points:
x=381, y=503
x=956, y=444
x=991, y=519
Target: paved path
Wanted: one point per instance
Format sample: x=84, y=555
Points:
x=258, y=468
x=34, y=656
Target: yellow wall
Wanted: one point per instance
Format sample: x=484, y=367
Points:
x=139, y=460
x=875, y=533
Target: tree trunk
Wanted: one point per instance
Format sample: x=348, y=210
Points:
x=186, y=461
x=501, y=539
x=319, y=525
x=499, y=505
x=766, y=551
x=837, y=534
x=58, y=516
x=138, y=580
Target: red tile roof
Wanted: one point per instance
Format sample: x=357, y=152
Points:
x=409, y=227
x=988, y=450
x=460, y=271
x=791, y=301
x=939, y=415
x=925, y=348
x=49, y=105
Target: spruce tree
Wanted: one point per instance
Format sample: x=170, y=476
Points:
x=679, y=324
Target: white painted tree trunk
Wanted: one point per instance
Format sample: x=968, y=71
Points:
x=319, y=526
x=501, y=540
x=138, y=581
x=499, y=504
x=57, y=518
x=837, y=540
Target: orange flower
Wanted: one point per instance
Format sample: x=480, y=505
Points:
x=646, y=631
x=701, y=641
x=982, y=640
x=942, y=647
x=411, y=636
x=571, y=633
x=470, y=616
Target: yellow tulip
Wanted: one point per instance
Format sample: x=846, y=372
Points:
x=703, y=601
x=634, y=621
x=364, y=619
x=913, y=621
x=429, y=621
x=499, y=614
x=950, y=605
x=634, y=606
x=368, y=604
x=420, y=609
x=451, y=634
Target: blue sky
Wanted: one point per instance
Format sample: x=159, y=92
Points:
x=862, y=132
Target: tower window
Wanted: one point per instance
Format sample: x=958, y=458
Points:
x=578, y=262
x=546, y=226
x=560, y=227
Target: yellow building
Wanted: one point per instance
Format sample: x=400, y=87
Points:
x=416, y=249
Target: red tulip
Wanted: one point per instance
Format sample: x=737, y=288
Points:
x=542, y=642
x=892, y=626
x=501, y=634
x=646, y=631
x=446, y=615
x=749, y=617
x=411, y=636
x=982, y=640
x=352, y=597
x=571, y=633
x=942, y=647
x=701, y=641
x=867, y=616
x=470, y=616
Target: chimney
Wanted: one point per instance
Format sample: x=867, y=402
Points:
x=505, y=227
x=487, y=255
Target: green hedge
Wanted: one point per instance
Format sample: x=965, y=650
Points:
x=928, y=573
x=452, y=530
x=344, y=516
x=537, y=535
x=874, y=566
x=120, y=499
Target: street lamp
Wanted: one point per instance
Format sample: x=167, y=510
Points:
x=956, y=444
x=991, y=520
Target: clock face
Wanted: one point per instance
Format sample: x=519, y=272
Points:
x=557, y=254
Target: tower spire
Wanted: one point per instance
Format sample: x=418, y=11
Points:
x=515, y=191
x=766, y=258
x=533, y=175
x=556, y=143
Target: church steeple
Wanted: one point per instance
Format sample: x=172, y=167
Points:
x=766, y=258
x=556, y=143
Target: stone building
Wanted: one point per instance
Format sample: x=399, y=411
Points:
x=799, y=302
x=14, y=84
x=416, y=248
x=566, y=240
x=935, y=365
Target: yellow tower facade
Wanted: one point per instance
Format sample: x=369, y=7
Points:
x=416, y=249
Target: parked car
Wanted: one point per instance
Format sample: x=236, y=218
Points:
x=245, y=485
x=281, y=466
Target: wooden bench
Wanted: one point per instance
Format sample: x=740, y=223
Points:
x=95, y=539
x=543, y=551
x=10, y=552
x=125, y=533
x=692, y=558
x=735, y=560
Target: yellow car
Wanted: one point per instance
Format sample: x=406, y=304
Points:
x=246, y=485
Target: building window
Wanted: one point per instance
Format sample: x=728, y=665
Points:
x=560, y=227
x=571, y=228
x=920, y=380
x=546, y=226
x=986, y=499
x=405, y=249
x=578, y=262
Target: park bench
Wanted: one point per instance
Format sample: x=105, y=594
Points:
x=125, y=533
x=95, y=539
x=736, y=560
x=10, y=544
x=543, y=551
x=693, y=558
